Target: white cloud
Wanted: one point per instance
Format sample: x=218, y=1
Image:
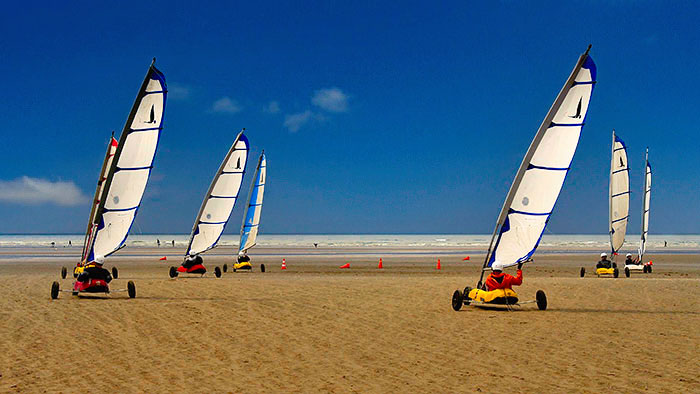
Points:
x=295, y=121
x=331, y=100
x=35, y=191
x=177, y=91
x=225, y=104
x=272, y=107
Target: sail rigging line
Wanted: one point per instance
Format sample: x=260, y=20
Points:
x=220, y=198
x=126, y=182
x=549, y=123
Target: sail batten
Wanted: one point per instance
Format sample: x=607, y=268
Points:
x=535, y=189
x=130, y=167
x=619, y=191
x=251, y=220
x=220, y=199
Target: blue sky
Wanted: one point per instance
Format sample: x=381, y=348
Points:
x=401, y=117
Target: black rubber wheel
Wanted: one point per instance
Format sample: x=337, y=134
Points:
x=225, y=267
x=627, y=272
x=644, y=269
x=115, y=273
x=64, y=272
x=131, y=288
x=234, y=269
x=465, y=295
x=583, y=272
x=262, y=267
x=616, y=272
x=648, y=269
x=54, y=290
x=173, y=272
x=541, y=300
x=217, y=272
x=457, y=300
x=614, y=265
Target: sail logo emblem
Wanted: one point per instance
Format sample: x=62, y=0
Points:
x=238, y=164
x=578, y=110
x=622, y=164
x=116, y=199
x=526, y=200
x=209, y=216
x=153, y=115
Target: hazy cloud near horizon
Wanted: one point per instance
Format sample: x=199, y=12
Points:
x=37, y=191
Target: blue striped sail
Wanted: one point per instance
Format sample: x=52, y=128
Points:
x=541, y=175
x=131, y=166
x=220, y=199
x=619, y=201
x=251, y=220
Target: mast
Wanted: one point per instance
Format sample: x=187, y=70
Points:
x=546, y=124
x=611, y=231
x=645, y=206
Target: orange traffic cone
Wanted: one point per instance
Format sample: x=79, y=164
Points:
x=284, y=264
x=163, y=258
x=380, y=263
x=466, y=258
x=346, y=265
x=438, y=265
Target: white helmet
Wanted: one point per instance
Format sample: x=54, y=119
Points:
x=497, y=266
x=603, y=254
x=629, y=255
x=99, y=260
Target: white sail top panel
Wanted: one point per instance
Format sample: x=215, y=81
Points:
x=619, y=194
x=540, y=178
x=131, y=166
x=220, y=199
x=646, y=200
x=251, y=220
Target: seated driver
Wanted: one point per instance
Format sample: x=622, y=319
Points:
x=243, y=258
x=192, y=260
x=94, y=270
x=630, y=261
x=500, y=280
x=604, y=262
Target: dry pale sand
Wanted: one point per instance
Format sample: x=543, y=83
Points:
x=316, y=328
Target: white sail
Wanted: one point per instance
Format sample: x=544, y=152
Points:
x=646, y=200
x=220, y=198
x=539, y=180
x=131, y=166
x=619, y=194
x=92, y=225
x=251, y=220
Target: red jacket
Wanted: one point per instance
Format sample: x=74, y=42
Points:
x=503, y=280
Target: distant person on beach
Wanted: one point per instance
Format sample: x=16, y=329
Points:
x=158, y=242
x=192, y=260
x=69, y=243
x=665, y=244
x=94, y=270
x=630, y=261
x=604, y=262
x=53, y=244
x=173, y=243
x=500, y=280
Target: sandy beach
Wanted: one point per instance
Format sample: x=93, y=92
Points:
x=317, y=328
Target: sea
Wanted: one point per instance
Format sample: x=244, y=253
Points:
x=472, y=242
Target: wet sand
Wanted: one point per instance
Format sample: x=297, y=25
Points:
x=315, y=327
